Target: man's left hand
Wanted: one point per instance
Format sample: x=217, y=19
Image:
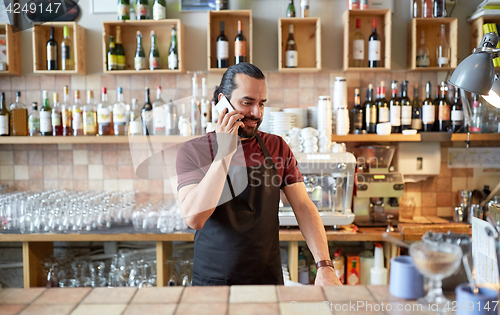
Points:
x=326, y=276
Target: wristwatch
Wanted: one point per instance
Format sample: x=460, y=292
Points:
x=324, y=263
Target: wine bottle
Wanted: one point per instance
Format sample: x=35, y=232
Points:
x=112, y=64
x=4, y=117
x=438, y=10
x=222, y=48
x=159, y=10
x=358, y=46
x=171, y=119
x=134, y=119
x=416, y=115
x=46, y=116
x=173, y=58
x=19, y=117
x=423, y=55
x=406, y=108
x=444, y=112
x=140, y=57
x=154, y=53
x=121, y=62
x=89, y=116
x=33, y=121
x=66, y=113
x=374, y=45
x=292, y=57
x=395, y=108
x=240, y=45
x=123, y=10
x=476, y=120
x=147, y=116
x=370, y=111
x=428, y=110
x=427, y=8
x=56, y=117
x=142, y=10
x=159, y=114
x=357, y=114
x=382, y=106
x=290, y=10
x=457, y=113
x=76, y=113
x=104, y=115
x=417, y=9
x=304, y=8
x=120, y=115
x=67, y=62
x=443, y=50
x=52, y=54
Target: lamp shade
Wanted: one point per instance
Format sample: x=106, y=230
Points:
x=475, y=74
x=493, y=96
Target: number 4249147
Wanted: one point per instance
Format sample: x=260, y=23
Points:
x=32, y=8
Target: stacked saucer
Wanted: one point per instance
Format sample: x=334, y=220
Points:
x=312, y=117
x=266, y=124
x=300, y=116
x=281, y=122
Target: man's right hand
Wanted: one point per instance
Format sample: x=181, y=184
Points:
x=227, y=132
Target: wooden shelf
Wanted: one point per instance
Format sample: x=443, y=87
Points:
x=230, y=18
x=13, y=48
x=476, y=29
x=376, y=138
x=476, y=137
x=432, y=33
x=307, y=36
x=41, y=34
x=384, y=29
x=94, y=140
x=365, y=69
x=129, y=28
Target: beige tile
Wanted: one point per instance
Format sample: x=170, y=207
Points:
x=110, y=171
x=21, y=172
x=50, y=172
x=444, y=211
x=275, y=80
x=291, y=97
x=50, y=184
x=124, y=157
x=125, y=172
x=429, y=199
x=201, y=309
x=81, y=185
x=291, y=80
x=300, y=294
x=306, y=80
x=19, y=83
x=11, y=309
x=48, y=82
x=306, y=96
x=322, y=80
x=96, y=172
x=141, y=185
x=443, y=199
x=36, y=185
x=458, y=183
x=205, y=294
x=35, y=157
x=110, y=185
x=60, y=309
x=444, y=170
x=99, y=309
x=64, y=146
x=80, y=157
x=183, y=81
x=80, y=172
x=6, y=172
x=32, y=82
x=153, y=80
x=275, y=96
x=443, y=184
x=65, y=157
x=6, y=157
x=65, y=172
x=253, y=294
x=428, y=211
x=95, y=157
x=151, y=309
x=63, y=296
x=347, y=293
x=312, y=308
x=110, y=296
x=93, y=83
x=35, y=172
x=21, y=157
x=168, y=187
x=254, y=309
x=20, y=296
x=126, y=184
x=95, y=185
x=156, y=295
x=62, y=80
x=110, y=157
x=78, y=82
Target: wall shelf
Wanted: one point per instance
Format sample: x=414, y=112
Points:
x=13, y=43
x=476, y=137
x=376, y=138
x=94, y=140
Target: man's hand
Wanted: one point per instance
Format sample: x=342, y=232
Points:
x=326, y=276
x=227, y=132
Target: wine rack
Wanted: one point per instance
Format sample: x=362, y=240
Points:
x=384, y=25
x=41, y=34
x=432, y=32
x=13, y=44
x=307, y=36
x=129, y=28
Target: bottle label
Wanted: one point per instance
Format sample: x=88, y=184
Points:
x=240, y=48
x=159, y=12
x=358, y=49
x=406, y=115
x=77, y=119
x=120, y=61
x=396, y=115
x=172, y=61
x=442, y=61
x=56, y=119
x=65, y=52
x=51, y=53
x=135, y=127
x=222, y=50
x=358, y=121
x=292, y=59
x=140, y=63
x=119, y=114
x=457, y=115
x=103, y=116
x=154, y=63
x=416, y=123
x=33, y=124
x=141, y=10
x=371, y=115
x=428, y=114
x=4, y=125
x=159, y=117
x=444, y=112
x=374, y=50
x=123, y=10
x=89, y=122
x=112, y=62
x=147, y=116
x=66, y=118
x=383, y=114
x=423, y=61
x=45, y=121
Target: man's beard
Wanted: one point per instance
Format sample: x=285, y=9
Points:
x=244, y=133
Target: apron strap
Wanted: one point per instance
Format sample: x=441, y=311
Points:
x=267, y=156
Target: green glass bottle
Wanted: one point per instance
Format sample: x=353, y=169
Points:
x=290, y=11
x=154, y=54
x=121, y=62
x=4, y=117
x=140, y=56
x=142, y=10
x=112, y=63
x=173, y=59
x=159, y=10
x=123, y=10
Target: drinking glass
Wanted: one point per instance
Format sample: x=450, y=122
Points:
x=406, y=208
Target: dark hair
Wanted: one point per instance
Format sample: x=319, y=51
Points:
x=227, y=84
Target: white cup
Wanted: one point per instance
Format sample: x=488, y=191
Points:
x=384, y=129
x=338, y=148
x=309, y=132
x=311, y=149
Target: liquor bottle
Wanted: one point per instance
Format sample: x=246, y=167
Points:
x=121, y=62
x=56, y=117
x=357, y=114
x=290, y=10
x=195, y=110
x=67, y=62
x=381, y=103
x=363, y=5
x=66, y=113
x=112, y=62
x=134, y=119
x=76, y=113
x=34, y=121
x=395, y=108
x=438, y=10
x=4, y=117
x=240, y=45
x=476, y=120
x=147, y=116
x=120, y=118
x=358, y=46
x=154, y=53
x=406, y=108
x=417, y=8
x=52, y=55
x=374, y=47
x=292, y=57
x=142, y=10
x=159, y=114
x=19, y=117
x=370, y=111
x=173, y=57
x=304, y=8
x=222, y=48
x=428, y=110
x=123, y=10
x=159, y=10
x=171, y=119
x=457, y=113
x=427, y=8
x=205, y=108
x=46, y=116
x=423, y=54
x=140, y=57
x=444, y=113
x=104, y=115
x=416, y=114
x=443, y=50
x=89, y=116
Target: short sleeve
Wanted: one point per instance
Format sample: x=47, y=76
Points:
x=291, y=172
x=193, y=160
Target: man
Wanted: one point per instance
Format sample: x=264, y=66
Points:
x=237, y=238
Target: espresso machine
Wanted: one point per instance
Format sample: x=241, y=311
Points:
x=329, y=180
x=378, y=189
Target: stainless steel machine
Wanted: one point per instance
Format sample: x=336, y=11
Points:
x=329, y=180
x=378, y=189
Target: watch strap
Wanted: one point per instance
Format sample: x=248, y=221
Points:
x=324, y=263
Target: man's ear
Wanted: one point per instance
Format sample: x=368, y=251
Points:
x=219, y=96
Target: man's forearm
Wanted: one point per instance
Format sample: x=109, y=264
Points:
x=313, y=230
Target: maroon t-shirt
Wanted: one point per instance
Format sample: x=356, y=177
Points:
x=195, y=156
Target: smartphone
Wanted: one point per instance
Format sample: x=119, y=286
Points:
x=224, y=103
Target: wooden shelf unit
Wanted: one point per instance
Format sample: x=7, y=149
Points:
x=307, y=36
x=476, y=29
x=230, y=18
x=377, y=138
x=13, y=43
x=432, y=33
x=476, y=137
x=129, y=28
x=384, y=29
x=41, y=34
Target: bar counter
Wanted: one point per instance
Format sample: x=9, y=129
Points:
x=234, y=300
